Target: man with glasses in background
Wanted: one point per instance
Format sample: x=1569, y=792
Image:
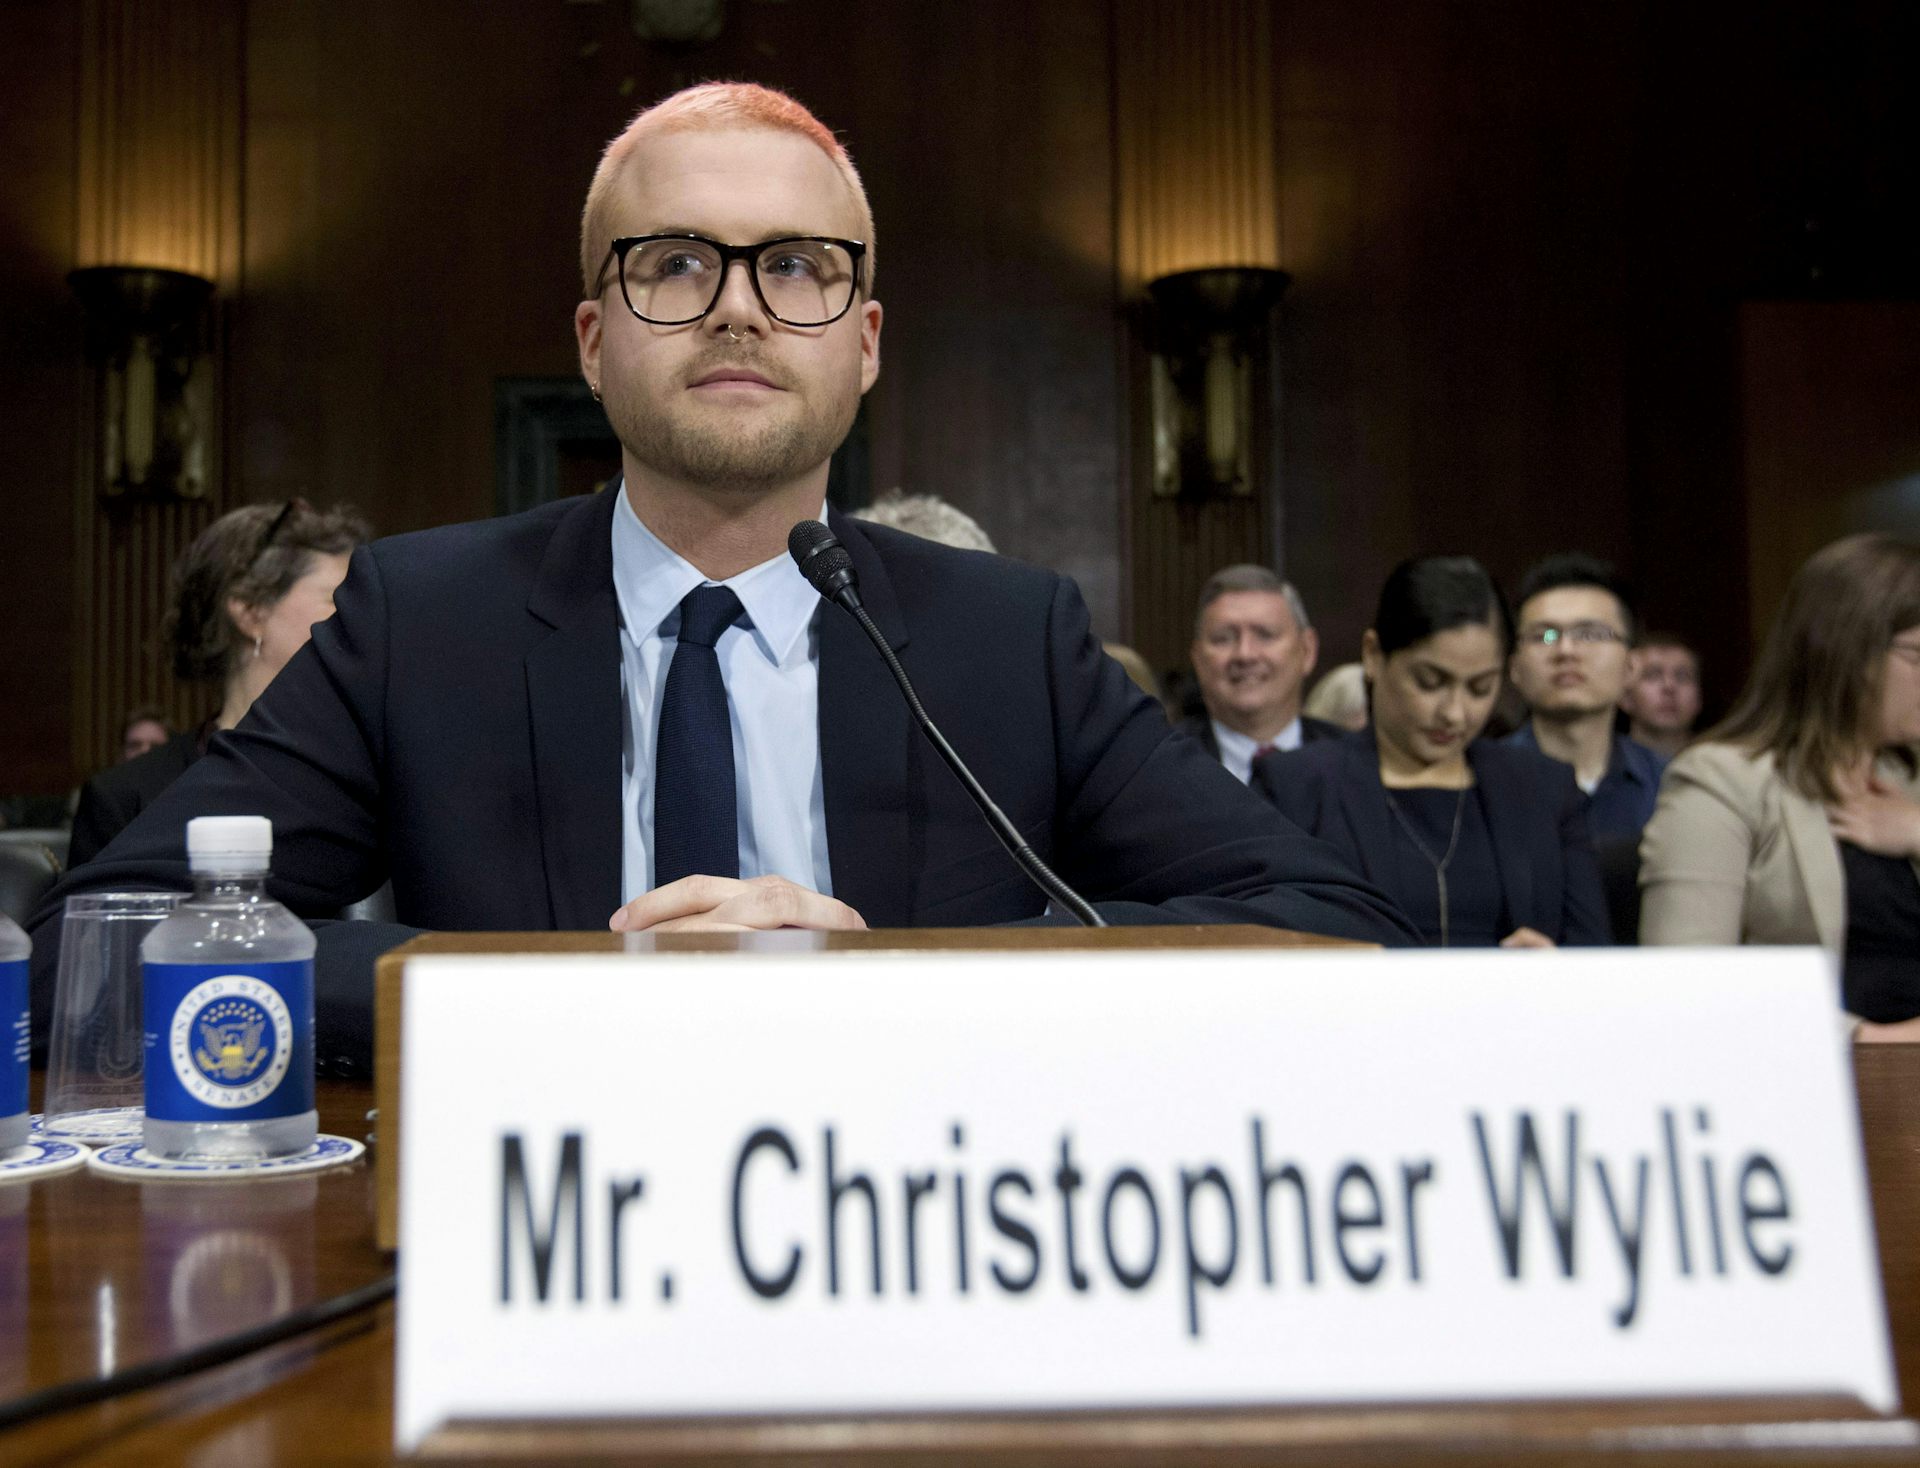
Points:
x=1575, y=632
x=631, y=710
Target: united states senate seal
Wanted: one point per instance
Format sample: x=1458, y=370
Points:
x=231, y=1041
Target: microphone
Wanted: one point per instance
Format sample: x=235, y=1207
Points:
x=829, y=570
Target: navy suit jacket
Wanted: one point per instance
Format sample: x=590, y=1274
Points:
x=1536, y=817
x=456, y=728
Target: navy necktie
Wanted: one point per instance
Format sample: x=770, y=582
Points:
x=694, y=831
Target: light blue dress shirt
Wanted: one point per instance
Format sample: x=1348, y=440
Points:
x=1237, y=750
x=770, y=662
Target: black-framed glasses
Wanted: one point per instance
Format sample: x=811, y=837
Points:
x=1584, y=634
x=676, y=279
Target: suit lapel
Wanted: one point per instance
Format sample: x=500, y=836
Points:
x=1817, y=855
x=1363, y=799
x=573, y=701
x=867, y=749
x=1507, y=813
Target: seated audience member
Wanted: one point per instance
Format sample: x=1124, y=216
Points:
x=1663, y=693
x=1571, y=667
x=245, y=598
x=142, y=730
x=1252, y=650
x=514, y=721
x=1797, y=820
x=929, y=517
x=1136, y=669
x=1339, y=698
x=1478, y=843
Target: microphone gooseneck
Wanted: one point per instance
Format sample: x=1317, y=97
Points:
x=829, y=570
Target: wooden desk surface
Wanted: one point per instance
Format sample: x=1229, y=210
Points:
x=112, y=1269
x=99, y=1275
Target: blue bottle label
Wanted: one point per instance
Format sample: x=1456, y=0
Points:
x=16, y=1042
x=229, y=1041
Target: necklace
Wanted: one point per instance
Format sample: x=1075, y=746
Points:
x=1438, y=863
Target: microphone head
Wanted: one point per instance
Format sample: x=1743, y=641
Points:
x=821, y=558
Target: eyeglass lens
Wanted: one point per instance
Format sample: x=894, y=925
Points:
x=1580, y=632
x=802, y=282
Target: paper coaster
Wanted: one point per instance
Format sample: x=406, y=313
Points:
x=40, y=1158
x=99, y=1128
x=130, y=1159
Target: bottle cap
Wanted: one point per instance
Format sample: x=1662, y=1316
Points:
x=223, y=843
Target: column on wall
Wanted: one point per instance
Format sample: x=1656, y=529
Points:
x=1196, y=187
x=158, y=133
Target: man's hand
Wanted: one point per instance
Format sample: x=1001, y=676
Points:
x=1902, y=1032
x=1876, y=818
x=1526, y=938
x=729, y=905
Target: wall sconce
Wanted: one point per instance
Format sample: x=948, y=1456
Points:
x=1207, y=330
x=147, y=336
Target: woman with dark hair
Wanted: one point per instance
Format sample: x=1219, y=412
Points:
x=245, y=597
x=1480, y=844
x=1797, y=820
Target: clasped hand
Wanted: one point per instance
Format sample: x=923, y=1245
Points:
x=1875, y=817
x=731, y=905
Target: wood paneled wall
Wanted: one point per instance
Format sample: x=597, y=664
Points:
x=158, y=183
x=1519, y=235
x=40, y=381
x=1831, y=431
x=1197, y=186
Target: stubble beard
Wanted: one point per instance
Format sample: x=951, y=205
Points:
x=747, y=452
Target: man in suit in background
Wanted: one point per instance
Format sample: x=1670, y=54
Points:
x=1253, y=648
x=630, y=710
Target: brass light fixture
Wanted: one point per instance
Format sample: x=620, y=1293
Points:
x=148, y=339
x=1207, y=330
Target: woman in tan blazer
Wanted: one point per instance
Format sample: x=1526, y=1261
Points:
x=1798, y=819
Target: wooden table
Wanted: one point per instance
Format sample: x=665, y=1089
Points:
x=98, y=1276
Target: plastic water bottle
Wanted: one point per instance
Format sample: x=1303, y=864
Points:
x=15, y=1037
x=228, y=998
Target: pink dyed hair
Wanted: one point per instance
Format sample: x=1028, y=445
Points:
x=713, y=107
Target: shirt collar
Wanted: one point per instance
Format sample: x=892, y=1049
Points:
x=1243, y=747
x=650, y=580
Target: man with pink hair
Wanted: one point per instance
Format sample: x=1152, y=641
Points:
x=631, y=710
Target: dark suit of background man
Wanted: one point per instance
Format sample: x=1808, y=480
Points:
x=479, y=721
x=1253, y=647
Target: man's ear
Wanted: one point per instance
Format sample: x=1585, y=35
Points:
x=870, y=315
x=586, y=331
x=1310, y=642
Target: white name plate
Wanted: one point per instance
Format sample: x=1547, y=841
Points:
x=686, y=1185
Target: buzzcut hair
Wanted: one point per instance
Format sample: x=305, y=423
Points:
x=1249, y=578
x=1576, y=568
x=714, y=107
x=1670, y=639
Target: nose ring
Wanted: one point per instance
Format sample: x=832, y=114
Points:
x=732, y=335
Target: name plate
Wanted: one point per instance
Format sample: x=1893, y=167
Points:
x=857, y=1184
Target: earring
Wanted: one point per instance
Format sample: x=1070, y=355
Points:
x=594, y=388
x=256, y=649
